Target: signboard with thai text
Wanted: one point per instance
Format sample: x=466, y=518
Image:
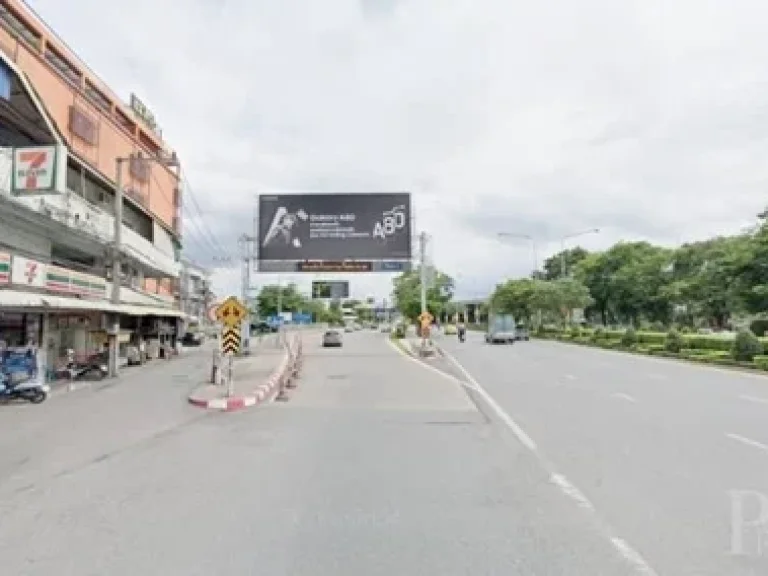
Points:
x=5, y=268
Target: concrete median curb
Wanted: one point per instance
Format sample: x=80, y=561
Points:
x=286, y=372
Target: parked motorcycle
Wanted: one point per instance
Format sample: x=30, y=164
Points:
x=96, y=367
x=29, y=390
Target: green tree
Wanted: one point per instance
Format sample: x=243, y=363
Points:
x=289, y=298
x=553, y=266
x=407, y=291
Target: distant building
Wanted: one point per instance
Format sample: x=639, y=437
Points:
x=194, y=293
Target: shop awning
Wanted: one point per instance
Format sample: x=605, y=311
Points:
x=41, y=302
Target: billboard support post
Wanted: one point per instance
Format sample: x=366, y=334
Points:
x=423, y=270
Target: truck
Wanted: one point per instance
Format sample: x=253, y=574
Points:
x=501, y=328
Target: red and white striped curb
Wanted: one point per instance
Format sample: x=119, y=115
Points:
x=263, y=392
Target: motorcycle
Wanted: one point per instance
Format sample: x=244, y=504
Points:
x=95, y=367
x=29, y=390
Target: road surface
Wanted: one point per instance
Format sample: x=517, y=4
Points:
x=671, y=457
x=376, y=466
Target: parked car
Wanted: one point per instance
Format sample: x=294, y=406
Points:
x=521, y=333
x=332, y=339
x=192, y=339
x=450, y=330
x=263, y=328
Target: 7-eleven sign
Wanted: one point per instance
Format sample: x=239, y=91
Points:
x=34, y=169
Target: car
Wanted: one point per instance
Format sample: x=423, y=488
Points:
x=386, y=328
x=450, y=330
x=192, y=339
x=332, y=339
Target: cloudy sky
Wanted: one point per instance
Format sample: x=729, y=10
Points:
x=647, y=119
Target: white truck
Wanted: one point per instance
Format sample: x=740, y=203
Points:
x=501, y=328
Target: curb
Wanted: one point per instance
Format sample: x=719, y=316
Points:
x=288, y=366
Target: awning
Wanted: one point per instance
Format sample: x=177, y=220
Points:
x=32, y=300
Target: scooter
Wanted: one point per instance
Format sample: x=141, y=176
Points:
x=29, y=390
x=96, y=367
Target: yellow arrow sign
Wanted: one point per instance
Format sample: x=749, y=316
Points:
x=231, y=312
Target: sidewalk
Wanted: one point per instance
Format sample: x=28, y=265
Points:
x=256, y=379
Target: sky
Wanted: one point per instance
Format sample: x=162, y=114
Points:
x=646, y=119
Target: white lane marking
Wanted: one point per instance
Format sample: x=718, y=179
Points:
x=755, y=399
x=519, y=433
x=570, y=377
x=623, y=396
x=631, y=556
x=437, y=371
x=571, y=491
x=747, y=441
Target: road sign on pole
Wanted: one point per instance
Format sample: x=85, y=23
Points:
x=230, y=340
x=231, y=312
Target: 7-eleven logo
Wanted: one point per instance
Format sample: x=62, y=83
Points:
x=34, y=168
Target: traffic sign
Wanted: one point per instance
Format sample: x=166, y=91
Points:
x=230, y=340
x=425, y=318
x=231, y=312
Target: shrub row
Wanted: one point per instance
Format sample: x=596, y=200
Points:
x=745, y=350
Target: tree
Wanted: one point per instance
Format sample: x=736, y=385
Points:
x=526, y=298
x=553, y=266
x=288, y=297
x=407, y=291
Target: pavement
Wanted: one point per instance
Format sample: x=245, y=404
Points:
x=671, y=458
x=256, y=378
x=376, y=465
x=537, y=458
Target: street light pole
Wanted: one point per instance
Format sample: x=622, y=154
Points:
x=563, y=266
x=117, y=272
x=524, y=237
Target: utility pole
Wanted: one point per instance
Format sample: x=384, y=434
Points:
x=423, y=270
x=117, y=272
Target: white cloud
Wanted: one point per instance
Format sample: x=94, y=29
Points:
x=646, y=119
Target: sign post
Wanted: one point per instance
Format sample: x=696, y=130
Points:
x=231, y=314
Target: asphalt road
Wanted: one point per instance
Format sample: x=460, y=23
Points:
x=376, y=466
x=671, y=457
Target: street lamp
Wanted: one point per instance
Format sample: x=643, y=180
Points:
x=562, y=246
x=512, y=235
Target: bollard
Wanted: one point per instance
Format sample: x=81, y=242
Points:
x=230, y=376
x=215, y=365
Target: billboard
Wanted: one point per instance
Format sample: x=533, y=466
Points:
x=330, y=289
x=334, y=227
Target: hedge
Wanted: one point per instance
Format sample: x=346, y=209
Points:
x=696, y=347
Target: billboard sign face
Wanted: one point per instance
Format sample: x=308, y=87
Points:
x=333, y=289
x=334, y=227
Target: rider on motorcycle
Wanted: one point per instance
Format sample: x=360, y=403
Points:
x=462, y=330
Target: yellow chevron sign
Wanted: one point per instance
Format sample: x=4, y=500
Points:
x=230, y=340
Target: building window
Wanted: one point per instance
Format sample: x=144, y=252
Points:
x=94, y=95
x=19, y=29
x=60, y=63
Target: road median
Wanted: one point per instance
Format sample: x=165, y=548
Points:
x=256, y=379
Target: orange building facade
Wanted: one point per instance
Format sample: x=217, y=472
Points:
x=96, y=125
